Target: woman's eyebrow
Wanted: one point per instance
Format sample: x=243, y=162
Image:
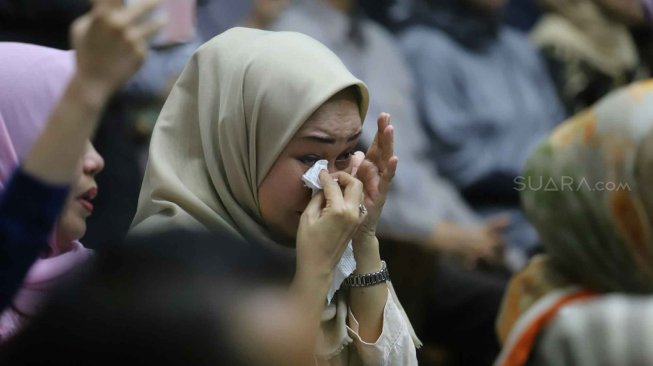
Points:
x=326, y=139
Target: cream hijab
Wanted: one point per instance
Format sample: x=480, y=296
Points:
x=580, y=29
x=239, y=101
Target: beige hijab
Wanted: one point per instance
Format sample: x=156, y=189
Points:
x=239, y=101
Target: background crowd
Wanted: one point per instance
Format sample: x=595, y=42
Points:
x=483, y=96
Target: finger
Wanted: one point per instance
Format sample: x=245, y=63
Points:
x=148, y=29
x=332, y=192
x=138, y=9
x=384, y=151
x=100, y=6
x=369, y=175
x=381, y=124
x=80, y=26
x=498, y=223
x=388, y=174
x=387, y=147
x=387, y=140
x=356, y=161
x=314, y=208
x=353, y=189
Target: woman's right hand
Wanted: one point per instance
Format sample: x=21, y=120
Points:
x=111, y=42
x=327, y=225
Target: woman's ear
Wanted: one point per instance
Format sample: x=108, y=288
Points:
x=632, y=224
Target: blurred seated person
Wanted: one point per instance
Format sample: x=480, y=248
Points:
x=422, y=207
x=595, y=223
x=485, y=98
x=124, y=128
x=174, y=298
x=47, y=163
x=589, y=48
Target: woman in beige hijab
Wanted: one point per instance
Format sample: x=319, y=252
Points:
x=249, y=115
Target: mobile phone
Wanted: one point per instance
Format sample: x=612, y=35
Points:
x=181, y=25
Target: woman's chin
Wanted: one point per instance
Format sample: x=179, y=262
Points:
x=69, y=231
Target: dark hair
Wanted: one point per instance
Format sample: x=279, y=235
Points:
x=161, y=299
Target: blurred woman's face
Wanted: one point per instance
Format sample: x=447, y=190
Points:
x=331, y=133
x=72, y=222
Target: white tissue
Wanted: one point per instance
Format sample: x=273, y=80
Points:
x=347, y=263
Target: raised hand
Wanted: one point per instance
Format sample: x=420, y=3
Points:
x=376, y=173
x=111, y=41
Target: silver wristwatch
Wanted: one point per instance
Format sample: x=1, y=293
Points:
x=368, y=279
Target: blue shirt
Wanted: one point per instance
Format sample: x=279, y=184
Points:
x=484, y=109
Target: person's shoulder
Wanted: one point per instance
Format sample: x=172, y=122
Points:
x=517, y=44
x=296, y=18
x=380, y=35
x=379, y=31
x=515, y=37
x=422, y=40
x=424, y=34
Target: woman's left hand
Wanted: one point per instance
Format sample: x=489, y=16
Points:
x=376, y=172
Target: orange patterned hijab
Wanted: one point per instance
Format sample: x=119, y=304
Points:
x=588, y=189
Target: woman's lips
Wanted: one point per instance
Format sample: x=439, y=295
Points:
x=86, y=199
x=86, y=204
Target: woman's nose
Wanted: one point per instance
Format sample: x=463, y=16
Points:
x=93, y=161
x=331, y=167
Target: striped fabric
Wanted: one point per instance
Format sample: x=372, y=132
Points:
x=612, y=330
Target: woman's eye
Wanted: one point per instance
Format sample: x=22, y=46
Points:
x=309, y=159
x=342, y=162
x=345, y=156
